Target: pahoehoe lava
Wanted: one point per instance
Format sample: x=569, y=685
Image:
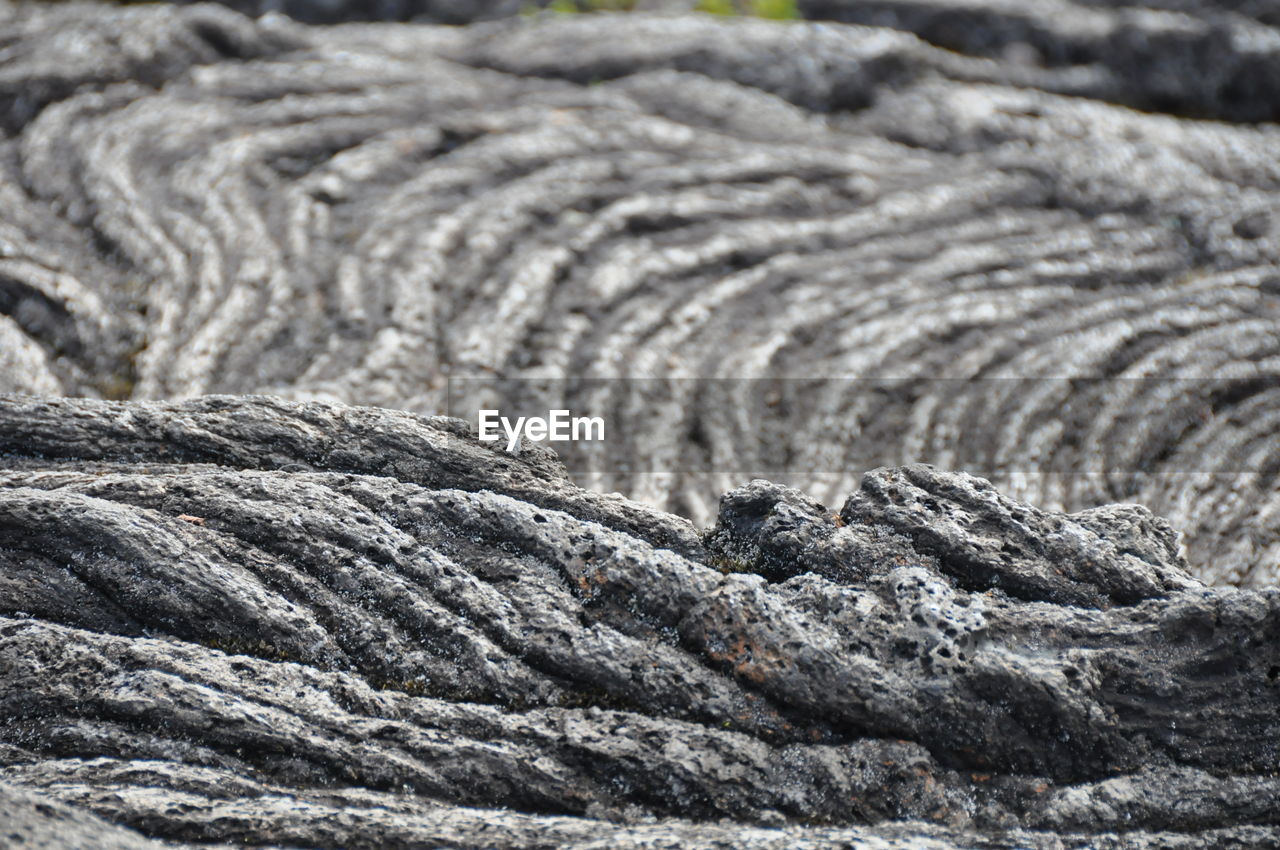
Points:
x=242, y=620
x=943, y=194
x=1033, y=240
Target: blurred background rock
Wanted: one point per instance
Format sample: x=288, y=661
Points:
x=1053, y=223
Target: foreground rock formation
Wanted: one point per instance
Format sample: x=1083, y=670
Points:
x=249, y=621
x=949, y=195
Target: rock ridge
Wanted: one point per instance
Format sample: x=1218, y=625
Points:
x=1035, y=241
x=255, y=621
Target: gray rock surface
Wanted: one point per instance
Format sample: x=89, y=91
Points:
x=917, y=229
x=33, y=820
x=1187, y=57
x=250, y=621
x=1075, y=299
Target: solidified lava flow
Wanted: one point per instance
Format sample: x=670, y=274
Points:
x=989, y=290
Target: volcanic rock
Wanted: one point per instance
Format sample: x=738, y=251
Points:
x=1033, y=241
x=251, y=621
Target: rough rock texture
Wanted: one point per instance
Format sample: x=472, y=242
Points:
x=1076, y=299
x=249, y=621
x=1190, y=57
x=32, y=820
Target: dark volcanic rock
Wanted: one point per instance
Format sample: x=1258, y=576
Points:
x=1076, y=299
x=1119, y=553
x=919, y=230
x=256, y=622
x=32, y=820
x=1188, y=57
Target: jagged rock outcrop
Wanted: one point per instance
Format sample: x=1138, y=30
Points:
x=966, y=246
x=250, y=621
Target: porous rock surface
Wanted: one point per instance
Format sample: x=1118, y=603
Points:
x=1070, y=296
x=247, y=621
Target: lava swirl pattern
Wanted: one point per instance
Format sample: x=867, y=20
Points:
x=889, y=250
